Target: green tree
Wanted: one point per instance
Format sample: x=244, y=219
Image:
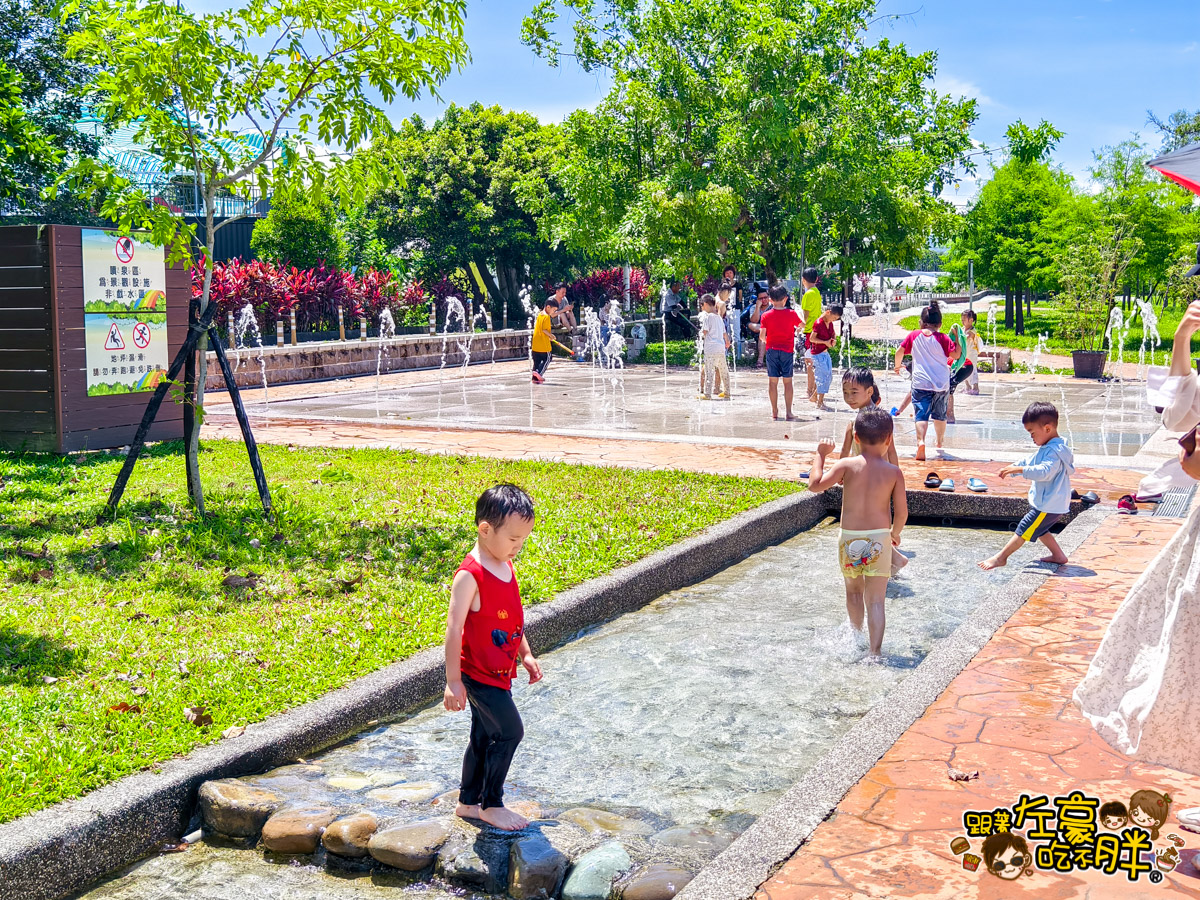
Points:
x=459, y=201
x=1005, y=230
x=303, y=232
x=293, y=70
x=1180, y=128
x=749, y=131
x=43, y=89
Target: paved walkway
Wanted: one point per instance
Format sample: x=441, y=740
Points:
x=1009, y=716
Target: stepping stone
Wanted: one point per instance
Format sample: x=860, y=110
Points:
x=235, y=809
x=296, y=829
x=349, y=835
x=349, y=782
x=593, y=874
x=409, y=792
x=479, y=862
x=599, y=821
x=535, y=868
x=660, y=881
x=698, y=838
x=409, y=847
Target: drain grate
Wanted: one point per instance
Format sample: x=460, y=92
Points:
x=1176, y=502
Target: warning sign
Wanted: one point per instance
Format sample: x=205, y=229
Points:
x=123, y=299
x=114, y=341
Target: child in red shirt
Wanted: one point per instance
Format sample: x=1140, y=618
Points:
x=778, y=325
x=485, y=636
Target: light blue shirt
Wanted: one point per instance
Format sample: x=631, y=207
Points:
x=1050, y=471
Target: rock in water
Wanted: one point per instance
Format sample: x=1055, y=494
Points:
x=296, y=829
x=703, y=840
x=660, y=881
x=349, y=835
x=592, y=875
x=349, y=782
x=476, y=860
x=535, y=868
x=409, y=847
x=235, y=809
x=598, y=821
x=411, y=792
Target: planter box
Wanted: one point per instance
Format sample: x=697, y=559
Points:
x=999, y=360
x=1089, y=363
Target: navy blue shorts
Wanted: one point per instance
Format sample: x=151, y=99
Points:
x=930, y=405
x=779, y=363
x=1034, y=524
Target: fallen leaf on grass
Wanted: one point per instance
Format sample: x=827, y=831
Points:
x=183, y=669
x=348, y=586
x=234, y=731
x=241, y=581
x=42, y=575
x=140, y=691
x=197, y=716
x=124, y=707
x=957, y=775
x=34, y=554
x=136, y=616
x=48, y=679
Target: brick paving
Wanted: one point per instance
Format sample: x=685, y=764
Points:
x=1009, y=715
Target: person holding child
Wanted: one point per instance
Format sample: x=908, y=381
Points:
x=485, y=638
x=810, y=310
x=714, y=343
x=779, y=325
x=932, y=352
x=1049, y=470
x=874, y=512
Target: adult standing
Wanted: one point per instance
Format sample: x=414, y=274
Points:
x=932, y=353
x=762, y=303
x=1142, y=690
x=810, y=311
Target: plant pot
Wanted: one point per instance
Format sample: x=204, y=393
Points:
x=1089, y=363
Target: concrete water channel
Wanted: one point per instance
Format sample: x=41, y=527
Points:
x=687, y=719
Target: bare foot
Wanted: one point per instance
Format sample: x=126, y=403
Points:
x=791, y=418
x=1054, y=559
x=775, y=416
x=994, y=562
x=468, y=811
x=920, y=454
x=502, y=818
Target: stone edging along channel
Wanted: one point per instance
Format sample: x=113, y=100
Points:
x=748, y=862
x=58, y=851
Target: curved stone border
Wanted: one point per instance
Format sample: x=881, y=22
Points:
x=748, y=862
x=60, y=850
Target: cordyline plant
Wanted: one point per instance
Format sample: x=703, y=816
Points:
x=293, y=72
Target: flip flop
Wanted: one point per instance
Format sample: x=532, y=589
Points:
x=804, y=476
x=933, y=480
x=974, y=484
x=1127, y=506
x=947, y=486
x=1091, y=498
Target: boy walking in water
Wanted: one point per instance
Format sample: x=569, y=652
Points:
x=874, y=512
x=485, y=636
x=779, y=326
x=1050, y=471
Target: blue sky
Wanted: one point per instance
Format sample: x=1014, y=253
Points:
x=1092, y=67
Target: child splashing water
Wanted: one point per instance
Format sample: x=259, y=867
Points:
x=874, y=511
x=860, y=392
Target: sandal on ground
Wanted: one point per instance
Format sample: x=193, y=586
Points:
x=947, y=486
x=1127, y=505
x=933, y=480
x=1148, y=498
x=974, y=484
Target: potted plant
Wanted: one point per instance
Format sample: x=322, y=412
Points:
x=1089, y=271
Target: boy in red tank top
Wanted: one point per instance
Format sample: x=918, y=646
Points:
x=485, y=637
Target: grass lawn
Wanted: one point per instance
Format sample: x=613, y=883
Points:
x=108, y=633
x=1044, y=320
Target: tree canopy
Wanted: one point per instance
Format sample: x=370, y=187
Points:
x=748, y=130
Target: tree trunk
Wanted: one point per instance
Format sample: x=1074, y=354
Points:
x=196, y=392
x=1020, y=311
x=1008, y=307
x=1028, y=301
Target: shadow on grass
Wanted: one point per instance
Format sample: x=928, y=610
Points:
x=26, y=659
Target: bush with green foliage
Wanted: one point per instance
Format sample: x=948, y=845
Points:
x=303, y=233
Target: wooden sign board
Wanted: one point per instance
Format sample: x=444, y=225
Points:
x=46, y=359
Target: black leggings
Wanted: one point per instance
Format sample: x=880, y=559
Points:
x=960, y=376
x=540, y=361
x=496, y=730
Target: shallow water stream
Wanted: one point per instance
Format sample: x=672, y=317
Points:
x=700, y=709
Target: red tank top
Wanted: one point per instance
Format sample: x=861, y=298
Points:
x=492, y=636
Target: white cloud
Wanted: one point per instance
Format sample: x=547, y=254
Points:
x=958, y=87
x=1192, y=47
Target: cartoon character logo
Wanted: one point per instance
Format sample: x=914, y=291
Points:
x=1149, y=810
x=504, y=640
x=1114, y=815
x=1006, y=855
x=862, y=552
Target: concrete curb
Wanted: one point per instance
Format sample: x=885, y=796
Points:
x=55, y=852
x=737, y=873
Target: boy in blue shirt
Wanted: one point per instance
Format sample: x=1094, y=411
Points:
x=1050, y=471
